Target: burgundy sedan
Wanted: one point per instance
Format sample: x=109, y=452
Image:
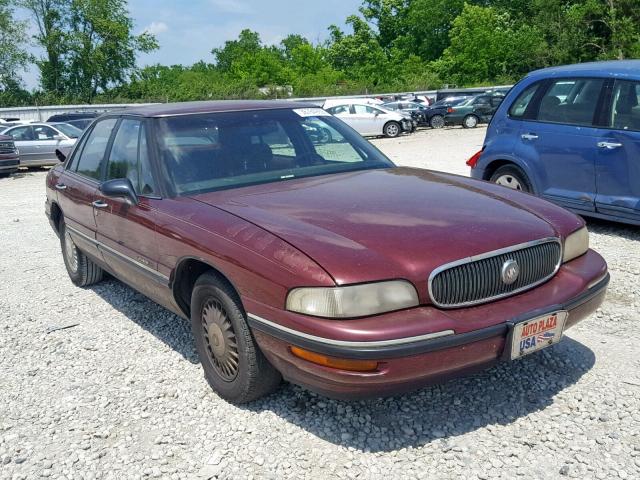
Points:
x=312, y=257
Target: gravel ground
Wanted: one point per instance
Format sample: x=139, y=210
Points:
x=102, y=383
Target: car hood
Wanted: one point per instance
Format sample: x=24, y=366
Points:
x=382, y=224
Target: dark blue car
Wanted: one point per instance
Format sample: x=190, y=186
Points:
x=570, y=134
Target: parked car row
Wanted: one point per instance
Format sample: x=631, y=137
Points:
x=371, y=119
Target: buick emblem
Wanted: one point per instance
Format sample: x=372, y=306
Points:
x=510, y=272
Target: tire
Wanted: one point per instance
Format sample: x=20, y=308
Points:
x=512, y=176
x=234, y=366
x=470, y=121
x=392, y=129
x=82, y=270
x=437, y=121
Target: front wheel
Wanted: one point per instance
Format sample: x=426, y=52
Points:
x=470, y=121
x=437, y=121
x=233, y=364
x=512, y=176
x=392, y=129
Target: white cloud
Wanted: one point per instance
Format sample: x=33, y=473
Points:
x=233, y=6
x=156, y=28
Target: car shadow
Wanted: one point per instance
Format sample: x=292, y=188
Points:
x=497, y=396
x=174, y=331
x=608, y=227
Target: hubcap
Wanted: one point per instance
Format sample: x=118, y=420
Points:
x=220, y=340
x=71, y=252
x=437, y=122
x=471, y=122
x=509, y=181
x=392, y=130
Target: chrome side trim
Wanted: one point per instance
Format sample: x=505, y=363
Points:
x=126, y=258
x=494, y=253
x=342, y=343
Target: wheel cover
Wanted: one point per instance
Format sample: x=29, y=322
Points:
x=220, y=340
x=392, y=130
x=509, y=181
x=71, y=252
x=471, y=121
x=437, y=122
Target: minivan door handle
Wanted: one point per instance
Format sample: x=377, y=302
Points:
x=529, y=136
x=609, y=145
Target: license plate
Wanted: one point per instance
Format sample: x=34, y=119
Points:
x=537, y=333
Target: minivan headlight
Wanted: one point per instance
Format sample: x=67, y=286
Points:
x=353, y=300
x=576, y=244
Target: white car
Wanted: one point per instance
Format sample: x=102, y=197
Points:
x=371, y=120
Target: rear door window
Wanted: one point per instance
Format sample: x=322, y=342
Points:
x=91, y=159
x=520, y=106
x=625, y=110
x=21, y=134
x=571, y=101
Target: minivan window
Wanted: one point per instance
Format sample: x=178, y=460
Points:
x=571, y=101
x=519, y=107
x=625, y=111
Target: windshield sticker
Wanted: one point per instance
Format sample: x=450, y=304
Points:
x=311, y=112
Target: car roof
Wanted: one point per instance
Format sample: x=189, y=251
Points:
x=190, y=108
x=610, y=68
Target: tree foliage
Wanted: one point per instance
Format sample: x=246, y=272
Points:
x=388, y=45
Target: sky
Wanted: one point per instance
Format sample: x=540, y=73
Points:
x=187, y=31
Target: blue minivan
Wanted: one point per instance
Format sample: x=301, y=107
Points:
x=570, y=134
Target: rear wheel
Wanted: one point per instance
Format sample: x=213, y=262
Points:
x=392, y=129
x=437, y=121
x=233, y=364
x=470, y=121
x=81, y=269
x=512, y=176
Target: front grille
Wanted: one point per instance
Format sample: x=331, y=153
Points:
x=7, y=147
x=479, y=279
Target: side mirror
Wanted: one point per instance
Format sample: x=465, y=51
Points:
x=61, y=156
x=120, y=187
x=58, y=137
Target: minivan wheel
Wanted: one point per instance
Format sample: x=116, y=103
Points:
x=81, y=269
x=470, y=121
x=233, y=365
x=437, y=121
x=392, y=129
x=512, y=176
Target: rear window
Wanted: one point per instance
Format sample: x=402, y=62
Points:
x=519, y=107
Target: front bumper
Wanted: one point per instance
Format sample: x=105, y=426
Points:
x=9, y=164
x=412, y=361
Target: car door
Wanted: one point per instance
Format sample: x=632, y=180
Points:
x=618, y=153
x=482, y=107
x=126, y=232
x=47, y=140
x=78, y=184
x=367, y=123
x=559, y=141
x=24, y=140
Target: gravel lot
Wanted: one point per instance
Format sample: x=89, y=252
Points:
x=119, y=393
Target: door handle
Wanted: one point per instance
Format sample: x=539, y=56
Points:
x=609, y=145
x=529, y=136
x=99, y=204
x=61, y=186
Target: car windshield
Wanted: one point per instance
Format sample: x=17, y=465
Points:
x=69, y=130
x=207, y=152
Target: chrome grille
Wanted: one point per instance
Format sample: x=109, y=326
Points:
x=7, y=147
x=479, y=279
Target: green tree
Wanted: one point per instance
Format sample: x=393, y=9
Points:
x=13, y=55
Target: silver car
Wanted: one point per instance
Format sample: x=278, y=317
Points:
x=38, y=142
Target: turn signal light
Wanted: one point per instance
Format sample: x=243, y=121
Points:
x=332, y=362
x=450, y=110
x=474, y=160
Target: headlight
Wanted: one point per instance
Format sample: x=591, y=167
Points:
x=576, y=244
x=354, y=300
